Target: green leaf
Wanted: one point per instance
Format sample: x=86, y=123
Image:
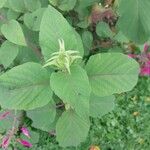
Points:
x=100, y=106
x=33, y=20
x=86, y=3
x=87, y=39
x=53, y=29
x=83, y=24
x=13, y=32
x=111, y=73
x=103, y=30
x=12, y=14
x=2, y=2
x=8, y=52
x=73, y=88
x=17, y=5
x=32, y=38
x=44, y=3
x=120, y=37
x=80, y=47
x=116, y=49
x=6, y=5
x=32, y=5
x=25, y=87
x=46, y=114
x=71, y=129
x=134, y=20
x=67, y=5
x=26, y=55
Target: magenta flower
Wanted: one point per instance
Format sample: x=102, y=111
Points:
x=5, y=142
x=145, y=70
x=4, y=115
x=146, y=47
x=25, y=131
x=144, y=60
x=24, y=143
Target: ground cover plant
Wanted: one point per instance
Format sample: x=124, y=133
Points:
x=126, y=127
x=65, y=62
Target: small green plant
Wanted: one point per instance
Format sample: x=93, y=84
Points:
x=54, y=75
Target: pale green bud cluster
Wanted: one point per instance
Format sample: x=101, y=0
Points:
x=63, y=59
x=68, y=106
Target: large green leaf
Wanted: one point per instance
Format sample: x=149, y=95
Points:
x=13, y=32
x=66, y=5
x=17, y=5
x=79, y=45
x=2, y=2
x=32, y=39
x=73, y=88
x=134, y=19
x=33, y=20
x=32, y=5
x=100, y=106
x=8, y=53
x=111, y=73
x=43, y=117
x=71, y=129
x=53, y=27
x=87, y=39
x=26, y=55
x=86, y=3
x=12, y=14
x=25, y=87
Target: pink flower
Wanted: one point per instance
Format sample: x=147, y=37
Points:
x=145, y=70
x=146, y=47
x=24, y=143
x=144, y=60
x=25, y=131
x=4, y=115
x=5, y=142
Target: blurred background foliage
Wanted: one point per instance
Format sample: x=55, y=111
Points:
x=126, y=128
